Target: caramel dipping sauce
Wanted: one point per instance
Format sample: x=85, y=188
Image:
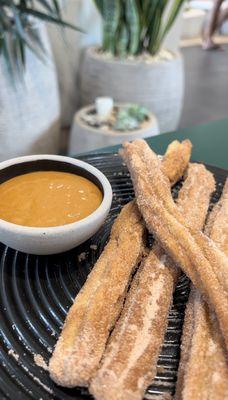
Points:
x=48, y=198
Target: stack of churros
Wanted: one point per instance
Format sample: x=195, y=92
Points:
x=114, y=331
x=203, y=372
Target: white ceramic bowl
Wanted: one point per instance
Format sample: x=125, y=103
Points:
x=57, y=239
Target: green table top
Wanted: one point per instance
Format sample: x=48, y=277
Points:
x=210, y=142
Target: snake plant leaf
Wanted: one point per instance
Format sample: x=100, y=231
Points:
x=111, y=15
x=154, y=26
x=133, y=22
x=144, y=19
x=122, y=42
x=175, y=9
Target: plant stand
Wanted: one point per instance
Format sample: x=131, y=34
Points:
x=84, y=137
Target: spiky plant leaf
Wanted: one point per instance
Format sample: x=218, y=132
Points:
x=47, y=18
x=122, y=42
x=111, y=15
x=17, y=30
x=146, y=27
x=172, y=16
x=133, y=22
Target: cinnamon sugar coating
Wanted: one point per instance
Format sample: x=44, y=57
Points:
x=129, y=362
x=198, y=256
x=203, y=373
x=98, y=304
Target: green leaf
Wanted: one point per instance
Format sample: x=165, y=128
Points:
x=57, y=8
x=144, y=20
x=26, y=34
x=22, y=53
x=172, y=16
x=111, y=16
x=122, y=42
x=133, y=22
x=1, y=43
x=173, y=13
x=16, y=54
x=5, y=21
x=8, y=59
x=48, y=18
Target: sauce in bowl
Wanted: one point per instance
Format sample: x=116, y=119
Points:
x=48, y=198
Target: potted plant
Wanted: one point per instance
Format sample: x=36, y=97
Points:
x=106, y=123
x=29, y=99
x=131, y=65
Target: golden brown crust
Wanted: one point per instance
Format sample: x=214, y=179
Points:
x=203, y=374
x=206, y=374
x=129, y=362
x=196, y=254
x=176, y=159
x=136, y=339
x=80, y=347
x=217, y=227
x=186, y=342
x=97, y=306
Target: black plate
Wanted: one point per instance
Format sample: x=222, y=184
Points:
x=37, y=291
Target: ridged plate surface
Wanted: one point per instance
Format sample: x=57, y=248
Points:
x=37, y=291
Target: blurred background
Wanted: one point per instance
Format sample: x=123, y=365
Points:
x=78, y=75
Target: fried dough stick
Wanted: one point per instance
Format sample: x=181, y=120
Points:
x=193, y=251
x=97, y=306
x=130, y=360
x=203, y=369
x=176, y=160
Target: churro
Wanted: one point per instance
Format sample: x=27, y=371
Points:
x=129, y=362
x=97, y=306
x=193, y=251
x=176, y=158
x=203, y=369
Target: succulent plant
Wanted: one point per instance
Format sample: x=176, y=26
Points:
x=138, y=112
x=133, y=26
x=130, y=117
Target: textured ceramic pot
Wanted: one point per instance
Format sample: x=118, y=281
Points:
x=57, y=239
x=158, y=85
x=87, y=138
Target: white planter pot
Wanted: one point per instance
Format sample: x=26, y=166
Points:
x=29, y=108
x=157, y=85
x=193, y=22
x=86, y=138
